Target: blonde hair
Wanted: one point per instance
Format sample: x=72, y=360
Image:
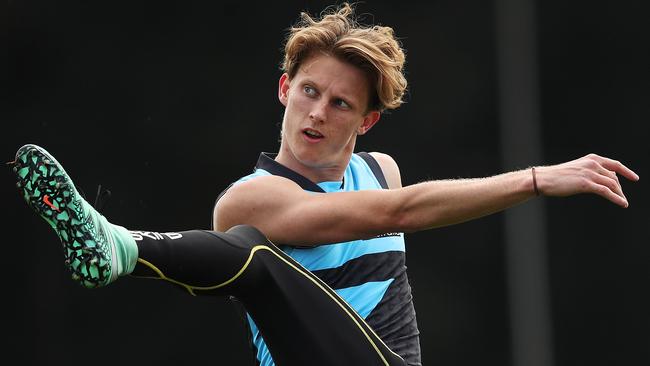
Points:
x=373, y=49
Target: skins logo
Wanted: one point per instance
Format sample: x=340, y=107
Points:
x=387, y=234
x=140, y=235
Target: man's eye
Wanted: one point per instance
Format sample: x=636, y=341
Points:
x=341, y=103
x=309, y=90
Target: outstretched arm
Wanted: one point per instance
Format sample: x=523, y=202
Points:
x=289, y=215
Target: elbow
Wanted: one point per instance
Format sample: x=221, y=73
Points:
x=410, y=217
x=402, y=219
x=405, y=222
x=410, y=222
x=398, y=211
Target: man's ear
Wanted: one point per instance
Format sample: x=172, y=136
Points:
x=283, y=89
x=368, y=121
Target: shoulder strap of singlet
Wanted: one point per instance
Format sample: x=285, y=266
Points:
x=374, y=166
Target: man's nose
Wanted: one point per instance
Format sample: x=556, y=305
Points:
x=319, y=112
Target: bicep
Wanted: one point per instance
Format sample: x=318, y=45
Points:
x=286, y=214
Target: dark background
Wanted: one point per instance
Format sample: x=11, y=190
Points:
x=166, y=103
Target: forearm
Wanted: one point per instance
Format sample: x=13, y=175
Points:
x=446, y=202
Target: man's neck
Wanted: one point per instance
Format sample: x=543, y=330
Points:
x=333, y=173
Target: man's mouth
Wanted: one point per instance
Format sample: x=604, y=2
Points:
x=312, y=135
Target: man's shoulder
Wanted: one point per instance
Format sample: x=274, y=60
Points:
x=244, y=197
x=260, y=184
x=258, y=188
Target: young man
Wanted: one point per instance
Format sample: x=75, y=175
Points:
x=335, y=289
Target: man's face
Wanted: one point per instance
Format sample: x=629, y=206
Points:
x=326, y=108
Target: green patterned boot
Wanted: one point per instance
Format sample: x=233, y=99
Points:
x=96, y=251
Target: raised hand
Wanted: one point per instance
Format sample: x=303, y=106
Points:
x=589, y=174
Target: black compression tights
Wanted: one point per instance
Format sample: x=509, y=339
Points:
x=302, y=320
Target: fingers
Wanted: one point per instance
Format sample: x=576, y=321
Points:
x=616, y=184
x=617, y=167
x=609, y=188
x=607, y=176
